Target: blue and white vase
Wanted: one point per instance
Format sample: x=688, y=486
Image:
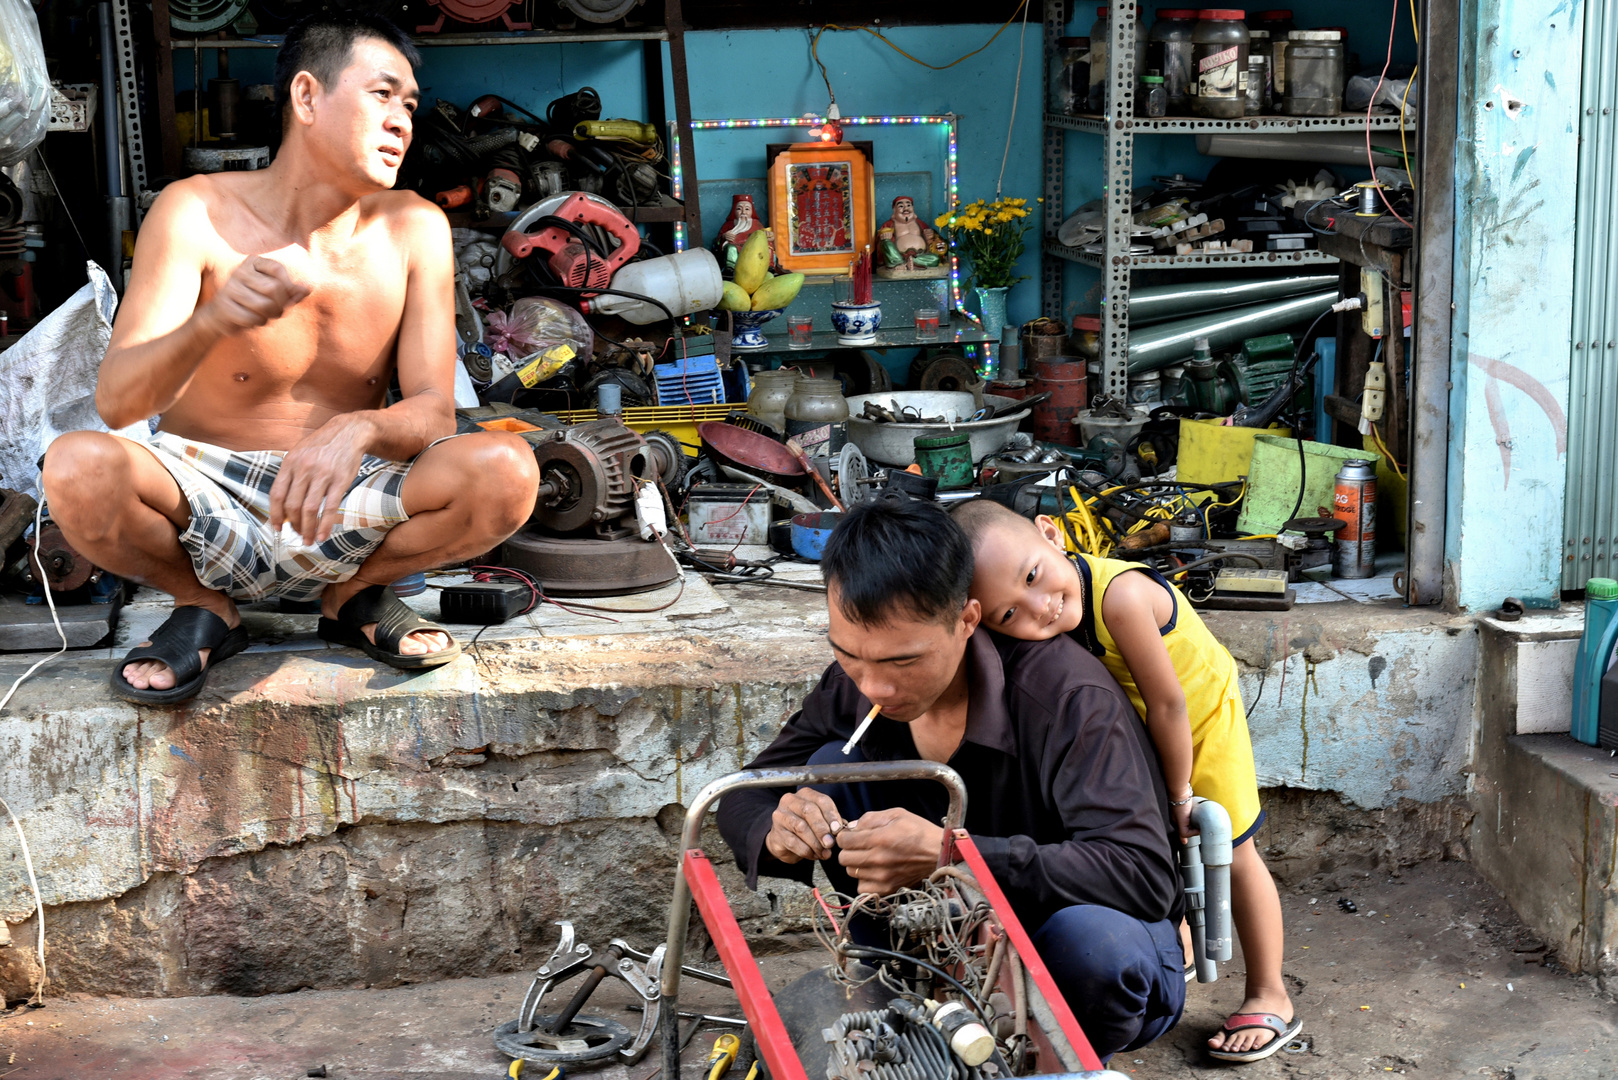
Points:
x=856, y=324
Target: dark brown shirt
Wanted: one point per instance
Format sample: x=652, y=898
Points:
x=1065, y=793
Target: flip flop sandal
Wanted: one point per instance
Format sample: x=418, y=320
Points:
x=176, y=644
x=394, y=622
x=1283, y=1031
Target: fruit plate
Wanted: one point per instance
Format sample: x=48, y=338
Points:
x=746, y=332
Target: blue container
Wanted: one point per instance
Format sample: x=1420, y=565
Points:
x=811, y=531
x=1595, y=656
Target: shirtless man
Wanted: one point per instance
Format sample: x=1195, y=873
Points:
x=266, y=315
x=906, y=242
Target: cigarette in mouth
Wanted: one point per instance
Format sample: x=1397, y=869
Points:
x=859, y=731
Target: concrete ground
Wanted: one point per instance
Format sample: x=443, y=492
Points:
x=1432, y=976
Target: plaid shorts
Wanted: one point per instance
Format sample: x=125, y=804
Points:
x=229, y=539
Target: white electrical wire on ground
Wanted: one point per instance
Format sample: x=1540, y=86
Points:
x=39, y=567
x=39, y=907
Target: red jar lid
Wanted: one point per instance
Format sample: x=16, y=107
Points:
x=1087, y=322
x=1274, y=16
x=1176, y=13
x=1222, y=15
x=1101, y=13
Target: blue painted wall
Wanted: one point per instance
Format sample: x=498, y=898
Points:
x=1515, y=168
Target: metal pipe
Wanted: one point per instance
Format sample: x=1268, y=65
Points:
x=805, y=776
x=1172, y=342
x=1430, y=365
x=1157, y=303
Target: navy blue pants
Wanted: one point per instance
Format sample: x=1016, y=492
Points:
x=1123, y=978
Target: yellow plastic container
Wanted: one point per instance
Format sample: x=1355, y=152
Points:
x=1212, y=453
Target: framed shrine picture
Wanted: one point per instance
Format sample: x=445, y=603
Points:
x=821, y=199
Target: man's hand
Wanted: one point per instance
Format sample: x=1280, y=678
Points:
x=318, y=472
x=258, y=291
x=888, y=850
x=804, y=826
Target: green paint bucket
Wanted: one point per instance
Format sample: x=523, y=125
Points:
x=1272, y=482
x=946, y=458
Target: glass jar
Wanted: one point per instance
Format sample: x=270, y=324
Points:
x=1258, y=73
x=817, y=416
x=1220, y=46
x=771, y=392
x=1278, y=24
x=1152, y=99
x=1100, y=37
x=1070, y=76
x=1086, y=338
x=1314, y=73
x=1168, y=52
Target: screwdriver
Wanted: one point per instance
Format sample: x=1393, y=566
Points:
x=725, y=1049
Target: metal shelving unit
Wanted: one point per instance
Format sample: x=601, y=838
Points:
x=1118, y=129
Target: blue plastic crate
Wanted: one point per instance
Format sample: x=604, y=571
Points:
x=690, y=380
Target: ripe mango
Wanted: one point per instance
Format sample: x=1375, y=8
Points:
x=753, y=262
x=735, y=298
x=777, y=293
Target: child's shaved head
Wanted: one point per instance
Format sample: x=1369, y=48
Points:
x=977, y=517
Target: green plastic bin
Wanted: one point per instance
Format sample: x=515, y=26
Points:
x=1272, y=485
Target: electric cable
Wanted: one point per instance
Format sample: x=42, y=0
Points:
x=1369, y=157
x=39, y=906
x=1016, y=91
x=44, y=583
x=935, y=67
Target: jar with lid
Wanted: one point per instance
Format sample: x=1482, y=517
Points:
x=1070, y=76
x=817, y=416
x=1151, y=99
x=1100, y=42
x=1258, y=73
x=1086, y=338
x=1168, y=52
x=1314, y=73
x=1278, y=24
x=1220, y=46
x=771, y=392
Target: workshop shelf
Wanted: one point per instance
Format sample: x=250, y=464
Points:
x=1196, y=125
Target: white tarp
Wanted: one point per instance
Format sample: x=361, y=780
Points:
x=48, y=381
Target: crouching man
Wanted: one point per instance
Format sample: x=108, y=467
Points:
x=266, y=316
x=1065, y=797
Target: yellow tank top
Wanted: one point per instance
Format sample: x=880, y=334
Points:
x=1206, y=669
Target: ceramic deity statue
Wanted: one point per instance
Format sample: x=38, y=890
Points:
x=906, y=247
x=743, y=222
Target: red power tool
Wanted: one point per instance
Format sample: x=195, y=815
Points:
x=572, y=263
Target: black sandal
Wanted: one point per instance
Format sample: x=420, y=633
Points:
x=176, y=644
x=394, y=622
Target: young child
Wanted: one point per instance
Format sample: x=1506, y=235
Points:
x=1183, y=683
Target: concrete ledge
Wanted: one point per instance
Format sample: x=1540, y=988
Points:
x=1546, y=827
x=314, y=820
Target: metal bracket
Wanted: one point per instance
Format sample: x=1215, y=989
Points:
x=129, y=97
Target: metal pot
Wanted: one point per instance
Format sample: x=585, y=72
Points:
x=895, y=444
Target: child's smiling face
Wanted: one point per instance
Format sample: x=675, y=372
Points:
x=1028, y=588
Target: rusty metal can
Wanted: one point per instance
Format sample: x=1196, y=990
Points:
x=1354, y=504
x=1064, y=378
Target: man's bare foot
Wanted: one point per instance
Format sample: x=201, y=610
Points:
x=1276, y=1002
x=154, y=674
x=419, y=643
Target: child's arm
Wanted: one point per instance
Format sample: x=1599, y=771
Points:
x=1134, y=608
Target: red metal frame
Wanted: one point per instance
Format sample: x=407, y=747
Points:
x=775, y=1044
x=768, y=1031
x=1025, y=949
